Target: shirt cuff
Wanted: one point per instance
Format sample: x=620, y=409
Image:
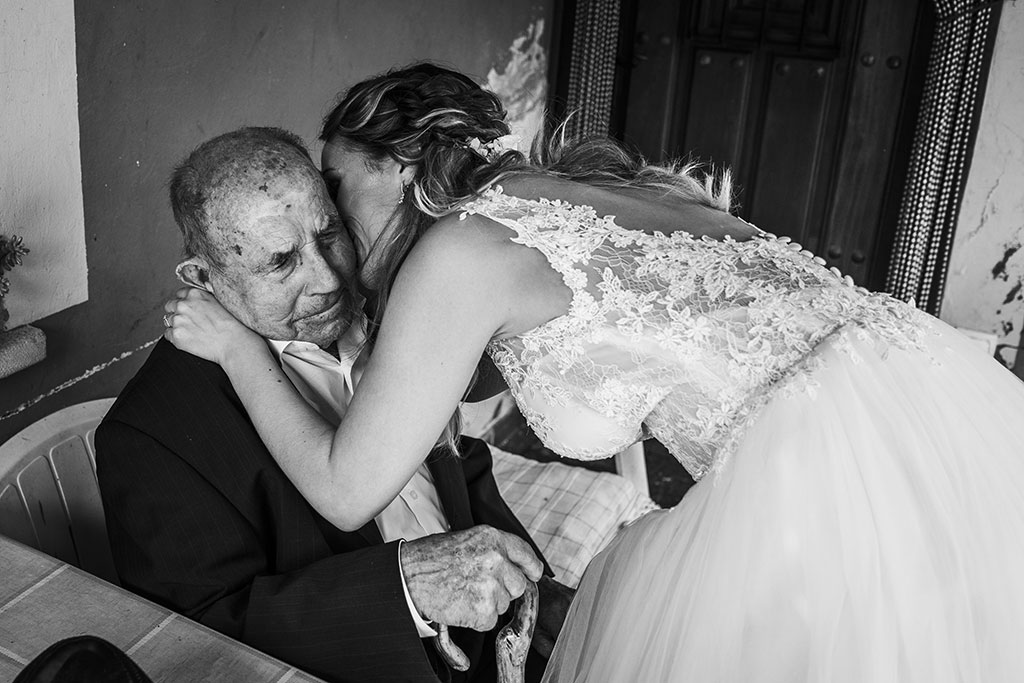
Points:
x=423, y=627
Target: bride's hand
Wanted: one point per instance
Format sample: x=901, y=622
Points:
x=197, y=323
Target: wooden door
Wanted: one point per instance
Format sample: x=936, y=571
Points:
x=801, y=98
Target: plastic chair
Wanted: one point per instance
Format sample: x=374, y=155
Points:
x=49, y=495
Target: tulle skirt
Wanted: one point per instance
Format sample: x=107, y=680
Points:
x=870, y=532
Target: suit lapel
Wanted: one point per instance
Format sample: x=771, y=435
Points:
x=371, y=533
x=244, y=465
x=451, y=489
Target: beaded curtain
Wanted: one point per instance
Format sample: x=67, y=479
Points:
x=592, y=67
x=939, y=156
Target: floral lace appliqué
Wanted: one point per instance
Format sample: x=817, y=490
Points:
x=673, y=335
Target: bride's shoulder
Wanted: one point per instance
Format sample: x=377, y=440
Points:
x=483, y=218
x=463, y=235
x=475, y=255
x=482, y=242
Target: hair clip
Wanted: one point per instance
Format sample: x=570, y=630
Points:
x=493, y=149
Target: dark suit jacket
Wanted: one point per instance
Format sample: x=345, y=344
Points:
x=202, y=520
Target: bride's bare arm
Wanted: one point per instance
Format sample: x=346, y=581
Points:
x=444, y=307
x=457, y=289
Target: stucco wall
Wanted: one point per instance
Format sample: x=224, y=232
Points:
x=40, y=173
x=984, y=288
x=155, y=79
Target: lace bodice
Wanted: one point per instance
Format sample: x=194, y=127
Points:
x=669, y=335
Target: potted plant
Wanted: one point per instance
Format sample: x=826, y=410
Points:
x=11, y=251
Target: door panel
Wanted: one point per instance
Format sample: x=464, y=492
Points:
x=777, y=22
x=790, y=146
x=721, y=83
x=652, y=83
x=801, y=98
x=870, y=126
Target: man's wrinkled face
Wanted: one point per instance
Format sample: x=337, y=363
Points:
x=289, y=264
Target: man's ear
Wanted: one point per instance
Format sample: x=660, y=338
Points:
x=195, y=272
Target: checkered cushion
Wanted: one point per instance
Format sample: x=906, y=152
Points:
x=571, y=512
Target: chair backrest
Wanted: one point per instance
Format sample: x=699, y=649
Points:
x=49, y=495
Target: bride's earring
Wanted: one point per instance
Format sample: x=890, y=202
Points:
x=401, y=197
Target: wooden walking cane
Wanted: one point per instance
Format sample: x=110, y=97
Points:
x=513, y=642
x=511, y=646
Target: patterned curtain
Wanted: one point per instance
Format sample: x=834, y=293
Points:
x=592, y=67
x=939, y=156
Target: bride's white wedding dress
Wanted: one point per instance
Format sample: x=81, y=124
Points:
x=860, y=510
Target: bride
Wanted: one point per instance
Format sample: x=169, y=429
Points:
x=860, y=509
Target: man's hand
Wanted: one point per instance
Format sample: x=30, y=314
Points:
x=467, y=578
x=554, y=603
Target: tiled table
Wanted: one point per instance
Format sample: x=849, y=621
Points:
x=43, y=600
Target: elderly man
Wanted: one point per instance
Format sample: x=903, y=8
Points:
x=201, y=518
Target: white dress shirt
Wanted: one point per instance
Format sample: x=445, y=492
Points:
x=327, y=384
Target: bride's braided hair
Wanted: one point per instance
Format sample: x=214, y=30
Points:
x=427, y=116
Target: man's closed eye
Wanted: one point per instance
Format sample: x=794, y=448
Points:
x=283, y=261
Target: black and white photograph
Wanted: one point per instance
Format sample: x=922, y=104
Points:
x=512, y=341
